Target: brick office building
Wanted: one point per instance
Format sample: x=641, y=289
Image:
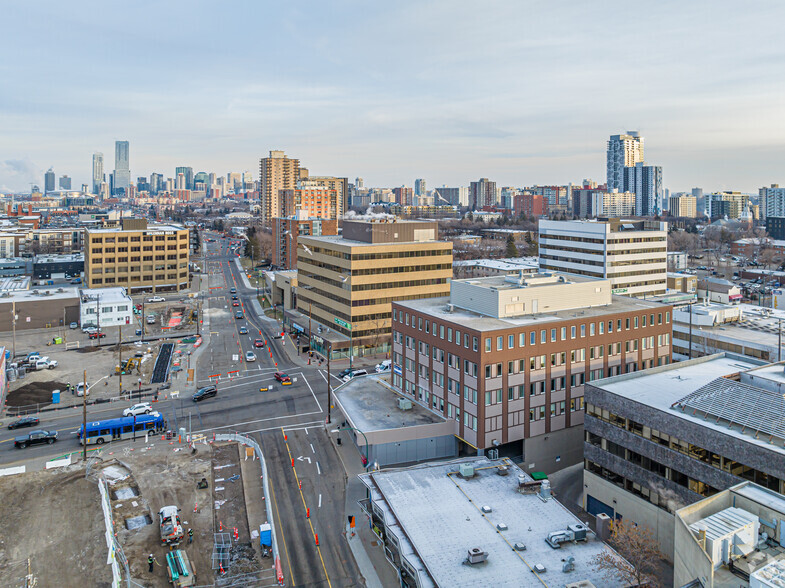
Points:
x=506, y=357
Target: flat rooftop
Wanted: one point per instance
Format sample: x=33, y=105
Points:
x=437, y=307
x=440, y=515
x=39, y=294
x=339, y=240
x=150, y=228
x=513, y=264
x=373, y=406
x=662, y=387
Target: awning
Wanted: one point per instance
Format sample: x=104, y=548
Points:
x=735, y=297
x=298, y=327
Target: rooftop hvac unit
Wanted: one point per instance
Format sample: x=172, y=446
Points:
x=476, y=556
x=404, y=404
x=486, y=509
x=545, y=490
x=730, y=533
x=603, y=526
x=466, y=470
x=539, y=568
x=450, y=308
x=502, y=470
x=575, y=532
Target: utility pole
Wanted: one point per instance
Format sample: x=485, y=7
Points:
x=13, y=321
x=779, y=340
x=84, y=416
x=690, y=350
x=329, y=383
x=120, y=352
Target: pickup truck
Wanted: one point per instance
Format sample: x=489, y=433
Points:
x=34, y=438
x=44, y=363
x=156, y=299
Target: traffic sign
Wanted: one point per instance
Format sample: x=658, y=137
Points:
x=343, y=323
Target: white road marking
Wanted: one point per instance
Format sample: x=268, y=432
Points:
x=312, y=449
x=318, y=469
x=302, y=458
x=320, y=501
x=321, y=373
x=311, y=389
x=235, y=425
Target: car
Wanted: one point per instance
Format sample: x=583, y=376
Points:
x=35, y=438
x=258, y=343
x=73, y=326
x=343, y=373
x=250, y=356
x=383, y=366
x=234, y=297
x=354, y=374
x=89, y=329
x=238, y=314
x=243, y=330
x=206, y=392
x=137, y=409
x=233, y=291
x=80, y=388
x=76, y=281
x=235, y=303
x=282, y=377
x=154, y=299
x=45, y=363
x=96, y=335
x=28, y=421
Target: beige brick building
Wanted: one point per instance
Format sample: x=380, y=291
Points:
x=276, y=172
x=137, y=257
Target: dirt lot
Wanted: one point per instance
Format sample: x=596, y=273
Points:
x=54, y=518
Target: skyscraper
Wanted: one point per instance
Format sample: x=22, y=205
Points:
x=49, y=181
x=419, y=187
x=64, y=183
x=188, y=174
x=623, y=151
x=482, y=193
x=98, y=172
x=122, y=170
x=276, y=172
x=156, y=183
x=646, y=182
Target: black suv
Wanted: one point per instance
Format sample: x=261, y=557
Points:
x=34, y=438
x=206, y=392
x=24, y=422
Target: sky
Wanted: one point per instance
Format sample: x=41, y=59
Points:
x=522, y=92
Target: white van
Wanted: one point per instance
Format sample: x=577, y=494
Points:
x=384, y=366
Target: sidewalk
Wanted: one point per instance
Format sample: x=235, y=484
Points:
x=367, y=549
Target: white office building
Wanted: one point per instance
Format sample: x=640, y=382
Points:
x=771, y=201
x=623, y=151
x=632, y=254
x=105, y=307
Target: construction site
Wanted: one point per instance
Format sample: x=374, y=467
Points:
x=197, y=509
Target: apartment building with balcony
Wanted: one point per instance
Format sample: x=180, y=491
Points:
x=507, y=357
x=632, y=254
x=137, y=257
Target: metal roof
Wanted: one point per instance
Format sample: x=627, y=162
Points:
x=755, y=411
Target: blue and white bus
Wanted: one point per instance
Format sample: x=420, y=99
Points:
x=100, y=432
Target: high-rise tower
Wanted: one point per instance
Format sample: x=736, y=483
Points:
x=98, y=172
x=122, y=170
x=276, y=172
x=623, y=151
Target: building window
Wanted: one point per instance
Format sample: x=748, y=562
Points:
x=475, y=343
x=572, y=332
x=591, y=330
x=510, y=341
x=487, y=344
x=499, y=343
x=533, y=338
x=449, y=334
x=564, y=333
x=522, y=340
x=543, y=336
x=583, y=331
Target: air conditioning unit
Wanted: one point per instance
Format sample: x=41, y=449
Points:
x=450, y=308
x=466, y=470
x=404, y=404
x=476, y=556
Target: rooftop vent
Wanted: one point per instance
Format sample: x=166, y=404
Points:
x=539, y=568
x=519, y=547
x=545, y=490
x=503, y=470
x=486, y=509
x=466, y=470
x=404, y=404
x=450, y=308
x=476, y=556
x=502, y=527
x=568, y=565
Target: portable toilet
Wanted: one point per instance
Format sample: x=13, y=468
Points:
x=265, y=535
x=55, y=396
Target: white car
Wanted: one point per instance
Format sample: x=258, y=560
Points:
x=250, y=356
x=137, y=409
x=156, y=299
x=354, y=374
x=80, y=389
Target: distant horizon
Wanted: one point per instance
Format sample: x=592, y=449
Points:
x=520, y=93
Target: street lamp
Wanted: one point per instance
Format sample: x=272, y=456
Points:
x=348, y=428
x=329, y=383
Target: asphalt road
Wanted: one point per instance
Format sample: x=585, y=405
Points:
x=298, y=410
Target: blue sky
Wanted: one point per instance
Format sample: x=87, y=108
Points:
x=521, y=92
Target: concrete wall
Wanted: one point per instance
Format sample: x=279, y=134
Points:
x=632, y=509
x=540, y=453
x=412, y=450
x=43, y=313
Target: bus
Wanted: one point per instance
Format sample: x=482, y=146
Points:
x=100, y=432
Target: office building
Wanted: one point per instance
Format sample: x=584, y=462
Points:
x=122, y=170
x=728, y=205
x=137, y=257
x=156, y=183
x=663, y=439
x=558, y=197
x=439, y=525
x=49, y=181
x=454, y=196
x=771, y=201
x=286, y=232
x=188, y=176
x=419, y=187
x=312, y=202
x=64, y=183
x=530, y=205
x=404, y=196
x=276, y=172
x=593, y=202
x=734, y=535
x=98, y=172
x=105, y=307
x=201, y=178
x=482, y=193
x=700, y=201
x=623, y=151
x=631, y=254
x=683, y=206
x=507, y=357
x=646, y=182
x=346, y=284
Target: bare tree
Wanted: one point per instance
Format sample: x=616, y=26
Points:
x=642, y=556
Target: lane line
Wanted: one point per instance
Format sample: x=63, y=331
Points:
x=312, y=392
x=312, y=449
x=318, y=469
x=320, y=501
x=235, y=425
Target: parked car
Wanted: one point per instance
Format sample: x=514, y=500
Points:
x=154, y=299
x=150, y=319
x=343, y=373
x=89, y=329
x=81, y=387
x=250, y=356
x=28, y=421
x=258, y=343
x=137, y=409
x=35, y=438
x=96, y=335
x=243, y=330
x=206, y=392
x=354, y=374
x=74, y=325
x=45, y=363
x=76, y=281
x=383, y=366
x=282, y=377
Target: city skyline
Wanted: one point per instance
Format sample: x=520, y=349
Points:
x=519, y=94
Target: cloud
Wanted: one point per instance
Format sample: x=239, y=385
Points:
x=16, y=175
